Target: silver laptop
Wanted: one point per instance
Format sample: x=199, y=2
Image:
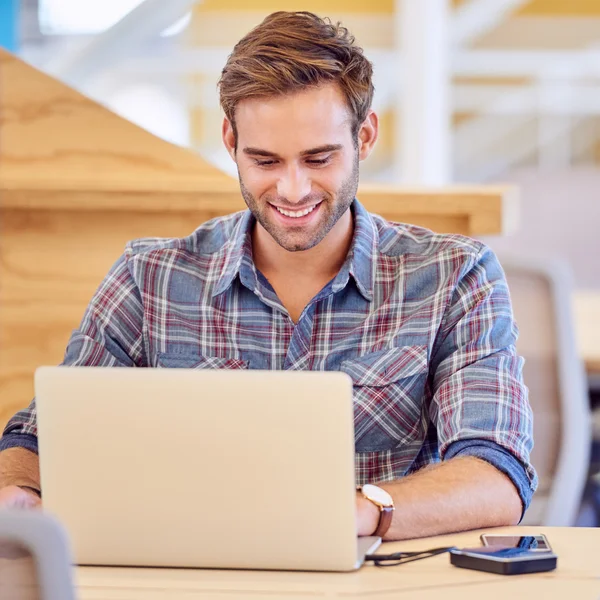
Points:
x=201, y=468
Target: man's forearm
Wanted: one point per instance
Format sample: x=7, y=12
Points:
x=457, y=495
x=19, y=466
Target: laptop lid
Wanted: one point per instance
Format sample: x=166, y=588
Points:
x=200, y=468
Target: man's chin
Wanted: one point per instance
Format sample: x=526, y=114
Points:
x=297, y=245
x=292, y=241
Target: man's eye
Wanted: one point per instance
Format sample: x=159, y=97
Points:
x=319, y=161
x=265, y=163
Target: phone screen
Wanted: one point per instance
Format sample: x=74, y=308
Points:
x=538, y=543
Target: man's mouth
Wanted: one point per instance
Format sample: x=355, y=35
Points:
x=296, y=214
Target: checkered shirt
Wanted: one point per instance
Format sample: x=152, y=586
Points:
x=421, y=322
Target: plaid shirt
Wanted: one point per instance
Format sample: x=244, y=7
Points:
x=421, y=322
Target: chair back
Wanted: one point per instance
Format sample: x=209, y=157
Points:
x=35, y=562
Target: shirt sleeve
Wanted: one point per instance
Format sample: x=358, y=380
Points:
x=110, y=335
x=478, y=388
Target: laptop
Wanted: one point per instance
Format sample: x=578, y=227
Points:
x=240, y=469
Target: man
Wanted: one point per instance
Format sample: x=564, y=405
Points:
x=307, y=279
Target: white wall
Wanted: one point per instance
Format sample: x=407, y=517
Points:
x=560, y=217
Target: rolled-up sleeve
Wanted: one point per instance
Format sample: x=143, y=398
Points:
x=480, y=400
x=110, y=335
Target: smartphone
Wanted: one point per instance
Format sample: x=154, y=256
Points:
x=535, y=543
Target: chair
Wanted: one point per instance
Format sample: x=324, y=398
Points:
x=541, y=295
x=35, y=562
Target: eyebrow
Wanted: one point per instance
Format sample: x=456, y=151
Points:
x=311, y=152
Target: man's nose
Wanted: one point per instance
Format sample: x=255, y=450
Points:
x=294, y=185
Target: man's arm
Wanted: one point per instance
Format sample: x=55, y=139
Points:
x=19, y=466
x=482, y=417
x=19, y=477
x=457, y=495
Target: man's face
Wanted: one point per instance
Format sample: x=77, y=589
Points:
x=297, y=163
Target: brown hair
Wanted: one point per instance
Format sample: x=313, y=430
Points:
x=290, y=51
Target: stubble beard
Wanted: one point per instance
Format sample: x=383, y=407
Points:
x=290, y=238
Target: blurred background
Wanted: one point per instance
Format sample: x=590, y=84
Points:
x=492, y=90
x=468, y=92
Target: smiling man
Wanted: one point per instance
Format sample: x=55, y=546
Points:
x=299, y=183
x=307, y=279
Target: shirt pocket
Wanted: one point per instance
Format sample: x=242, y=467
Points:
x=196, y=361
x=389, y=387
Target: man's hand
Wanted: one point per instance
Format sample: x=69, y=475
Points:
x=14, y=497
x=367, y=515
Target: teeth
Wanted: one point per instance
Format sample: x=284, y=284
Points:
x=296, y=214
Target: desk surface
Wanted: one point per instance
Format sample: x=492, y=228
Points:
x=587, y=324
x=577, y=575
x=592, y=366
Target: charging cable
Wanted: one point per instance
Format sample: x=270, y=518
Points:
x=401, y=558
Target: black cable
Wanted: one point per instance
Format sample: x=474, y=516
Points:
x=400, y=558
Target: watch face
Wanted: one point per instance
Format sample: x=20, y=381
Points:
x=376, y=494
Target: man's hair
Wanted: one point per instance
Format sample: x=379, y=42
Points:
x=293, y=51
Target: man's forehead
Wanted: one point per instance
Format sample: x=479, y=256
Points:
x=322, y=109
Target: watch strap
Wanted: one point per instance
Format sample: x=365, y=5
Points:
x=386, y=514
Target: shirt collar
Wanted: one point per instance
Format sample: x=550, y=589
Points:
x=238, y=247
x=360, y=262
x=362, y=256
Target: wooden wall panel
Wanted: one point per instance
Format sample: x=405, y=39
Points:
x=51, y=262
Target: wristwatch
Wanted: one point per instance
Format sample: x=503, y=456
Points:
x=380, y=498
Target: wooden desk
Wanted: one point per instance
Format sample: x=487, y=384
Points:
x=593, y=365
x=586, y=306
x=577, y=576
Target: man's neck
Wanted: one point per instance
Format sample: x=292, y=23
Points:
x=320, y=263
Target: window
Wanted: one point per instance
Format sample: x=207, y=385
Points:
x=155, y=109
x=64, y=17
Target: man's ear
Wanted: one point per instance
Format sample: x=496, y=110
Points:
x=228, y=134
x=367, y=135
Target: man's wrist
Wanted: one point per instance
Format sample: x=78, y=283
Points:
x=383, y=502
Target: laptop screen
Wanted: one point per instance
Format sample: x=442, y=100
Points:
x=18, y=575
